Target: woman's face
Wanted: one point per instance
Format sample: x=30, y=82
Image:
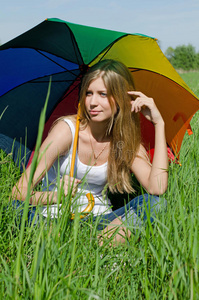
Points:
x=97, y=102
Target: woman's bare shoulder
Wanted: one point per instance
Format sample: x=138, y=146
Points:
x=72, y=118
x=59, y=137
x=61, y=125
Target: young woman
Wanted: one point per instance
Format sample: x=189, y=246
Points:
x=109, y=149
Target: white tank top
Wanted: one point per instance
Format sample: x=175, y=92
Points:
x=94, y=179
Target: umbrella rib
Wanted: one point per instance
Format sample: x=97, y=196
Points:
x=44, y=81
x=78, y=84
x=137, y=70
x=37, y=80
x=54, y=62
x=109, y=47
x=75, y=43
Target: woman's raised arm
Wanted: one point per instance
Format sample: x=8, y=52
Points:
x=153, y=177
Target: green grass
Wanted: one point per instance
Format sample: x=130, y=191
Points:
x=192, y=80
x=61, y=261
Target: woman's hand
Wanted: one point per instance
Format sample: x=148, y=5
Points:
x=69, y=183
x=146, y=106
x=115, y=238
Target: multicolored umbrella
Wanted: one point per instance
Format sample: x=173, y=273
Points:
x=63, y=51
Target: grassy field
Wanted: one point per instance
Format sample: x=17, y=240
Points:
x=61, y=261
x=192, y=80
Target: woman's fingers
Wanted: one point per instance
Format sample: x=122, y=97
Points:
x=138, y=105
x=135, y=93
x=146, y=106
x=69, y=183
x=141, y=101
x=141, y=104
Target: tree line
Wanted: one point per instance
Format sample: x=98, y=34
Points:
x=183, y=57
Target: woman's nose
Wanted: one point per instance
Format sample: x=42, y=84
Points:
x=93, y=100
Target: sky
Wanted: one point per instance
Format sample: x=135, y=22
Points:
x=172, y=22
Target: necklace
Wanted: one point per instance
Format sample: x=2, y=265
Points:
x=96, y=156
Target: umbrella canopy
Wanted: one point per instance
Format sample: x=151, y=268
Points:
x=62, y=51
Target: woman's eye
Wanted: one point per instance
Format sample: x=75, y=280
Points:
x=103, y=94
x=88, y=93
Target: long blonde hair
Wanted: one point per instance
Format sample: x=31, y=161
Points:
x=124, y=126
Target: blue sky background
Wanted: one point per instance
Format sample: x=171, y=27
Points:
x=172, y=22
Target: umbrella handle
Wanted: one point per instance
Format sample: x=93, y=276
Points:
x=88, y=209
x=91, y=200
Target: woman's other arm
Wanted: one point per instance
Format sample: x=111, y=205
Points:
x=56, y=144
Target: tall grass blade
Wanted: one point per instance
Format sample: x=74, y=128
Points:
x=33, y=168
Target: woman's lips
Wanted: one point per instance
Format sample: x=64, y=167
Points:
x=94, y=112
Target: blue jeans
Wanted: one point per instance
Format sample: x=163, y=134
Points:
x=19, y=206
x=20, y=153
x=133, y=214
